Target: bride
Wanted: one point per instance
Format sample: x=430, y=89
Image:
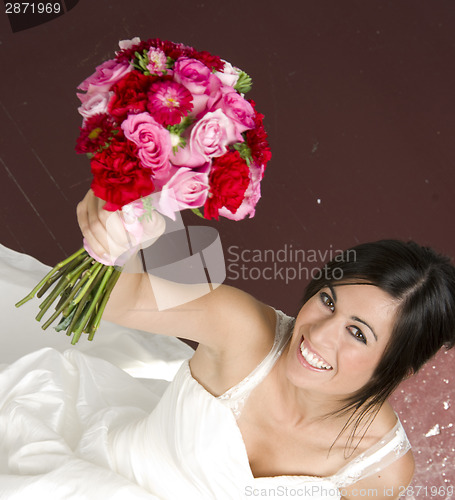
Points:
x=271, y=404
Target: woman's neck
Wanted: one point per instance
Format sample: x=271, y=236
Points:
x=300, y=407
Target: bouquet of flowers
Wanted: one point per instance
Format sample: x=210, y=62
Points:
x=159, y=118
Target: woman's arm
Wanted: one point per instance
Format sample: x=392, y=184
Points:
x=216, y=319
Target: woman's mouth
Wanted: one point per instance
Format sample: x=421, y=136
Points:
x=311, y=359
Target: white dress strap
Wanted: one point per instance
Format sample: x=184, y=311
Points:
x=236, y=396
x=382, y=454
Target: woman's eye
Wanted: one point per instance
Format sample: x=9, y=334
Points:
x=357, y=333
x=327, y=301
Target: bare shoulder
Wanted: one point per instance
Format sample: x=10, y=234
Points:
x=238, y=321
x=388, y=483
x=239, y=333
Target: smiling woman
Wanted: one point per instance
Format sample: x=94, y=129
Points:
x=308, y=395
x=268, y=405
x=419, y=289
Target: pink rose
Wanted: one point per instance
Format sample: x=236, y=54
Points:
x=198, y=79
x=185, y=189
x=153, y=142
x=229, y=76
x=93, y=103
x=251, y=197
x=208, y=139
x=237, y=108
x=106, y=75
x=193, y=74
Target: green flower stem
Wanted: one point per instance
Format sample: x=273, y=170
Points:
x=95, y=270
x=44, y=306
x=90, y=322
x=80, y=307
x=82, y=319
x=83, y=287
x=64, y=296
x=76, y=313
x=66, y=313
x=68, y=297
x=75, y=273
x=97, y=318
x=74, y=283
x=64, y=270
x=49, y=275
x=66, y=282
x=107, y=271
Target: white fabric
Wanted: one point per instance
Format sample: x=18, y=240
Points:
x=77, y=426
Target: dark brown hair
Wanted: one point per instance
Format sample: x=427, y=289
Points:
x=423, y=281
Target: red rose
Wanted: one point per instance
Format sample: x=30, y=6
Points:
x=118, y=177
x=228, y=182
x=130, y=95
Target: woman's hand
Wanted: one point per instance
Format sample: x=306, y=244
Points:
x=112, y=237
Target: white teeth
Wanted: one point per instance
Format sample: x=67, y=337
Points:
x=313, y=360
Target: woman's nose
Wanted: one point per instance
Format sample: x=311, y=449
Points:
x=325, y=332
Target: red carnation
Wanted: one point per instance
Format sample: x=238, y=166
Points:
x=118, y=177
x=171, y=49
x=130, y=95
x=257, y=139
x=228, y=182
x=127, y=55
x=95, y=134
x=211, y=61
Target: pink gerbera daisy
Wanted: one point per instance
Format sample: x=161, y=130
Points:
x=169, y=102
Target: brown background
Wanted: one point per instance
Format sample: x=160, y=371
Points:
x=359, y=104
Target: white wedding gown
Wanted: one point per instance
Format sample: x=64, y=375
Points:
x=75, y=426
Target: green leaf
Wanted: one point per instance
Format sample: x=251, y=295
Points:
x=65, y=321
x=244, y=150
x=244, y=83
x=141, y=61
x=182, y=126
x=148, y=210
x=178, y=131
x=198, y=212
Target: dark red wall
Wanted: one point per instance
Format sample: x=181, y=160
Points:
x=359, y=106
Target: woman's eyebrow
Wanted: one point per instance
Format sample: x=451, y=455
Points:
x=366, y=324
x=355, y=318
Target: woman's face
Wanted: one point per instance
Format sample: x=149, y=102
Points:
x=339, y=337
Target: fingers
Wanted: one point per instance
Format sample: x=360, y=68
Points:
x=110, y=235
x=92, y=222
x=153, y=229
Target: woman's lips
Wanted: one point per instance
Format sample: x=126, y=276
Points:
x=311, y=359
